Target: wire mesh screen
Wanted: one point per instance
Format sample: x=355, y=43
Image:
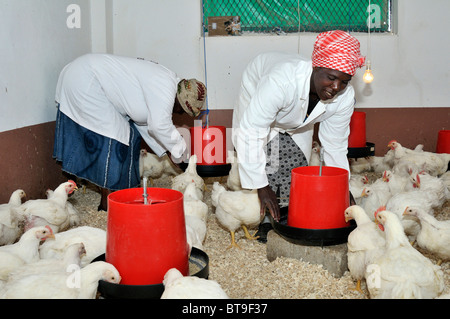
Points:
x=287, y=16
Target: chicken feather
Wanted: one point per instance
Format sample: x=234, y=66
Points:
x=235, y=209
x=402, y=272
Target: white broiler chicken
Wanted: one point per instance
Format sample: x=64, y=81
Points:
x=177, y=286
x=25, y=251
x=434, y=235
x=93, y=238
x=315, y=154
x=233, y=179
x=402, y=272
x=396, y=183
x=379, y=164
x=432, y=163
x=359, y=165
x=235, y=209
x=398, y=203
x=399, y=150
x=52, y=211
x=356, y=185
x=150, y=165
x=10, y=220
x=193, y=205
x=154, y=167
x=196, y=214
x=374, y=196
x=74, y=215
x=192, y=192
x=405, y=169
x=72, y=258
x=365, y=243
x=190, y=175
x=192, y=236
x=78, y=284
x=432, y=186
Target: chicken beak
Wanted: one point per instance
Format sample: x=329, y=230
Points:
x=364, y=194
x=52, y=236
x=380, y=225
x=404, y=212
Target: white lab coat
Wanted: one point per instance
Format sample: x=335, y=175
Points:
x=274, y=98
x=102, y=92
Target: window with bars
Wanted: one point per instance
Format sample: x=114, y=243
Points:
x=288, y=16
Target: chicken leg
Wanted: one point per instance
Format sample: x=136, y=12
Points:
x=233, y=241
x=358, y=287
x=247, y=234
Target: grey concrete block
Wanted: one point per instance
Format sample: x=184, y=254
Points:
x=333, y=258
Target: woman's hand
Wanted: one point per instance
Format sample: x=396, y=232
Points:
x=268, y=199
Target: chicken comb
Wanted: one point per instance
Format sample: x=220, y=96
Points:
x=49, y=229
x=392, y=141
x=416, y=184
x=72, y=182
x=380, y=209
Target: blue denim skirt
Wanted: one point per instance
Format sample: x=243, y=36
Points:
x=100, y=160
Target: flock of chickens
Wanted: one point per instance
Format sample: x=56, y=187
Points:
x=44, y=253
x=392, y=214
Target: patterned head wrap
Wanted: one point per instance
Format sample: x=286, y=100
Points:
x=337, y=50
x=192, y=95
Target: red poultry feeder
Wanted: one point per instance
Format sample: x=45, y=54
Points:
x=357, y=137
x=357, y=144
x=318, y=199
x=443, y=142
x=144, y=240
x=210, y=146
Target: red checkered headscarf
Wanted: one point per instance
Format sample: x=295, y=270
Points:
x=337, y=50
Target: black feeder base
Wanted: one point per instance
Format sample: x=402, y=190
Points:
x=109, y=290
x=210, y=170
x=358, y=152
x=310, y=237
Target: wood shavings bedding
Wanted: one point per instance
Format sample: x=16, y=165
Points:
x=246, y=273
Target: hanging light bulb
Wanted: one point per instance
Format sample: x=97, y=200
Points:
x=368, y=76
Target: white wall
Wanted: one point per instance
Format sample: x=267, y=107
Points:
x=164, y=31
x=411, y=67
x=35, y=44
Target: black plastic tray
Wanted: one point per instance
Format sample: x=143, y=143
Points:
x=310, y=237
x=210, y=170
x=109, y=290
x=358, y=152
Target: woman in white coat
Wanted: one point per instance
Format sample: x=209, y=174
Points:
x=106, y=104
x=282, y=96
